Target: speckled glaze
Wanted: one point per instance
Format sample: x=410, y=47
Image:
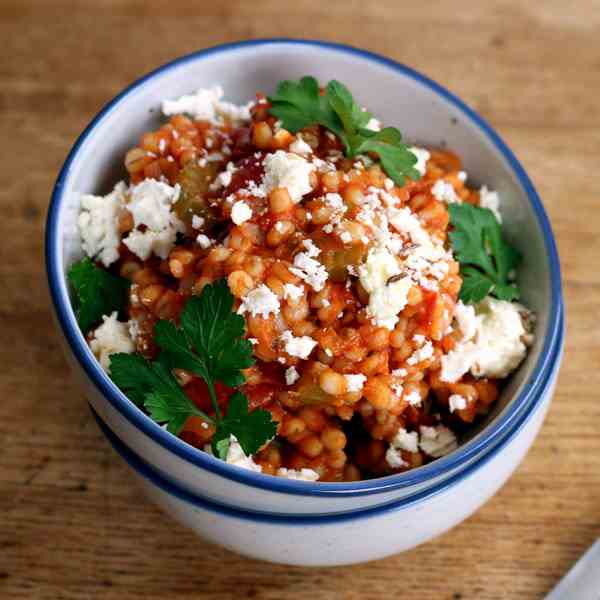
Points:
x=426, y=114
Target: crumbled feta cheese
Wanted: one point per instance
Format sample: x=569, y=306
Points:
x=301, y=347
x=394, y=459
x=109, y=338
x=223, y=179
x=253, y=341
x=207, y=105
x=422, y=157
x=134, y=329
x=197, y=222
x=457, y=402
x=414, y=398
x=444, y=192
x=260, y=301
x=346, y=237
x=291, y=376
x=299, y=146
x=292, y=292
x=489, y=199
x=495, y=345
x=462, y=176
x=287, y=170
x=405, y=440
x=355, y=382
x=203, y=241
x=298, y=475
x=373, y=124
x=399, y=372
x=388, y=184
x=420, y=354
x=98, y=224
x=437, y=441
x=308, y=268
x=240, y=212
x=236, y=456
x=386, y=300
x=150, y=205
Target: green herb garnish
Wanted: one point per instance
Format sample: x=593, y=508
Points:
x=98, y=293
x=298, y=104
x=485, y=257
x=209, y=343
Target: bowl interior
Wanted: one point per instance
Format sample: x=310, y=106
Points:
x=424, y=113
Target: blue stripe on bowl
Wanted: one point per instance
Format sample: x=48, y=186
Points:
x=154, y=477
x=483, y=443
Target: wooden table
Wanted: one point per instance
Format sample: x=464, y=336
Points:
x=72, y=523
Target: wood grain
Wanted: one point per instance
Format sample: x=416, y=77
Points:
x=73, y=525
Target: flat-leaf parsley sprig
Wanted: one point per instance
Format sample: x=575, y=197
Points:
x=98, y=293
x=209, y=343
x=298, y=104
x=485, y=258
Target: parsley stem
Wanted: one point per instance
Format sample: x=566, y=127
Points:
x=213, y=397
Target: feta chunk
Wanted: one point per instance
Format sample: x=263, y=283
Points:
x=240, y=212
x=373, y=124
x=299, y=146
x=355, y=382
x=292, y=292
x=437, y=441
x=291, y=376
x=457, y=402
x=109, y=338
x=394, y=459
x=298, y=475
x=493, y=342
x=489, y=199
x=290, y=171
x=260, y=301
x=422, y=157
x=308, y=268
x=406, y=440
x=300, y=347
x=207, y=105
x=236, y=456
x=98, y=224
x=444, y=192
x=150, y=205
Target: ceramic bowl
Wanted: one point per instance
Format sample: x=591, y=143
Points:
x=426, y=114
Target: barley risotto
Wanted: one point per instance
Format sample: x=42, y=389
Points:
x=288, y=286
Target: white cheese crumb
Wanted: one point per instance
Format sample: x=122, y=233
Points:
x=373, y=124
x=299, y=146
x=203, y=241
x=301, y=347
x=405, y=440
x=260, y=301
x=489, y=199
x=437, y=441
x=308, y=268
x=236, y=456
x=346, y=237
x=197, y=222
x=414, y=398
x=150, y=205
x=422, y=157
x=298, y=475
x=444, y=192
x=462, y=176
x=109, y=338
x=207, y=105
x=388, y=184
x=394, y=459
x=291, y=376
x=253, y=341
x=493, y=342
x=287, y=170
x=240, y=212
x=355, y=382
x=457, y=402
x=292, y=292
x=385, y=300
x=98, y=224
x=423, y=353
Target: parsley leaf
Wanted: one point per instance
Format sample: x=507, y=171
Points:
x=252, y=429
x=210, y=343
x=98, y=293
x=485, y=257
x=300, y=104
x=152, y=385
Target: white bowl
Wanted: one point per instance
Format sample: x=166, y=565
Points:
x=426, y=114
x=359, y=536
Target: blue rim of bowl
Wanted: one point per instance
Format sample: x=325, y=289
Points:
x=484, y=442
x=142, y=468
